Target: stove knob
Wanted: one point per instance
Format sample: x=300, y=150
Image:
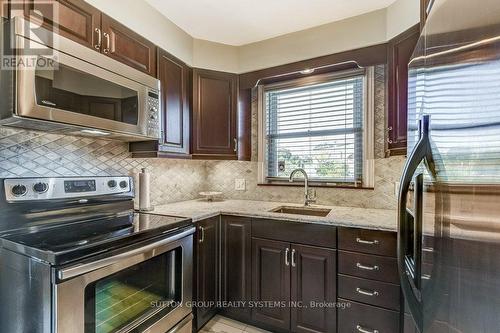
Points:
x=123, y=184
x=40, y=187
x=112, y=183
x=19, y=190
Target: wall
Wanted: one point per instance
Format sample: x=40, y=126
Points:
x=355, y=32
x=363, y=30
x=400, y=16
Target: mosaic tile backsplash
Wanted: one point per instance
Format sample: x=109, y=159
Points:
x=26, y=153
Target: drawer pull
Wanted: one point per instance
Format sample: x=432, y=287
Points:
x=287, y=263
x=367, y=292
x=365, y=330
x=367, y=268
x=368, y=242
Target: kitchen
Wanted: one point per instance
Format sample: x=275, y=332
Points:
x=220, y=167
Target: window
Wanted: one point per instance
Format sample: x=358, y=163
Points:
x=318, y=124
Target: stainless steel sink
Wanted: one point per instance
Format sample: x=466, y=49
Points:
x=311, y=211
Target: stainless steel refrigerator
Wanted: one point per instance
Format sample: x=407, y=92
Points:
x=449, y=199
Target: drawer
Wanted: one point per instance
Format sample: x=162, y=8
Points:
x=369, y=266
x=295, y=232
x=368, y=241
x=377, y=293
x=361, y=318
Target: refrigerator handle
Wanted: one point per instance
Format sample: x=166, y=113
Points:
x=420, y=153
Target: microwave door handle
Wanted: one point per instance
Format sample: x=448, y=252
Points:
x=419, y=154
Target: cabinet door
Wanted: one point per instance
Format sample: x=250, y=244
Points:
x=400, y=50
x=73, y=19
x=236, y=264
x=207, y=269
x=271, y=283
x=313, y=282
x=174, y=78
x=214, y=114
x=128, y=47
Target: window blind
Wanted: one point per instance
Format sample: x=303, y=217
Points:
x=318, y=127
x=464, y=104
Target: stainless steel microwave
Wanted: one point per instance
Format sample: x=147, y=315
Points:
x=55, y=84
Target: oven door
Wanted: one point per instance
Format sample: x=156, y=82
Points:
x=143, y=290
x=77, y=86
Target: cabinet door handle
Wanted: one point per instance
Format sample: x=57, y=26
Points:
x=108, y=43
x=367, y=268
x=235, y=144
x=365, y=330
x=293, y=257
x=202, y=234
x=287, y=263
x=367, y=292
x=99, y=39
x=367, y=242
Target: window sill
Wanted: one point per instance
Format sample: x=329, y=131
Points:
x=317, y=185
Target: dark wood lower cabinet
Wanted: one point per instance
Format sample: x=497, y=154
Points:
x=313, y=283
x=207, y=269
x=236, y=266
x=271, y=283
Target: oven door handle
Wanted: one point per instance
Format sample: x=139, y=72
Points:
x=76, y=270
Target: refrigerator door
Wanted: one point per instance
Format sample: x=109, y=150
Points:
x=449, y=209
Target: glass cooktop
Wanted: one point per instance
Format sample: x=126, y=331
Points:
x=72, y=241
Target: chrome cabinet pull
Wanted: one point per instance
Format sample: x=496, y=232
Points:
x=108, y=43
x=367, y=292
x=202, y=234
x=293, y=257
x=367, y=268
x=99, y=39
x=368, y=242
x=365, y=330
x=287, y=263
x=235, y=144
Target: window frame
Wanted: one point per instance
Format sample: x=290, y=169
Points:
x=368, y=138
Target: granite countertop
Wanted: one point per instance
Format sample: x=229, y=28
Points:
x=377, y=219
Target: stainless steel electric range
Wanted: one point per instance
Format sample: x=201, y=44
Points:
x=75, y=257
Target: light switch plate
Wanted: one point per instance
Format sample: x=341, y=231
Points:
x=240, y=184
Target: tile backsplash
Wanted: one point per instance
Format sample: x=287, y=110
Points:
x=26, y=153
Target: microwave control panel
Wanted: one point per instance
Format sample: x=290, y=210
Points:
x=153, y=108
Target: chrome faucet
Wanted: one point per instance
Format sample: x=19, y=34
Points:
x=308, y=199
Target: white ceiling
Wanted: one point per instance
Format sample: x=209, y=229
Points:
x=239, y=22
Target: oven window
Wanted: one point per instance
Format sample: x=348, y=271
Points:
x=127, y=298
x=72, y=90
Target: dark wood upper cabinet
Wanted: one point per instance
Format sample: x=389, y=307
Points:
x=236, y=264
x=214, y=126
x=271, y=282
x=128, y=47
x=313, y=280
x=400, y=49
x=207, y=268
x=174, y=79
x=73, y=19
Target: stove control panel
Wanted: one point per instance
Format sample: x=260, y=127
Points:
x=26, y=189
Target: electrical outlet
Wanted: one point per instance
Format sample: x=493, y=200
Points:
x=240, y=184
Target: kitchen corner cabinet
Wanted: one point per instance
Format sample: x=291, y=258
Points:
x=82, y=23
x=399, y=51
x=207, y=269
x=236, y=265
x=214, y=125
